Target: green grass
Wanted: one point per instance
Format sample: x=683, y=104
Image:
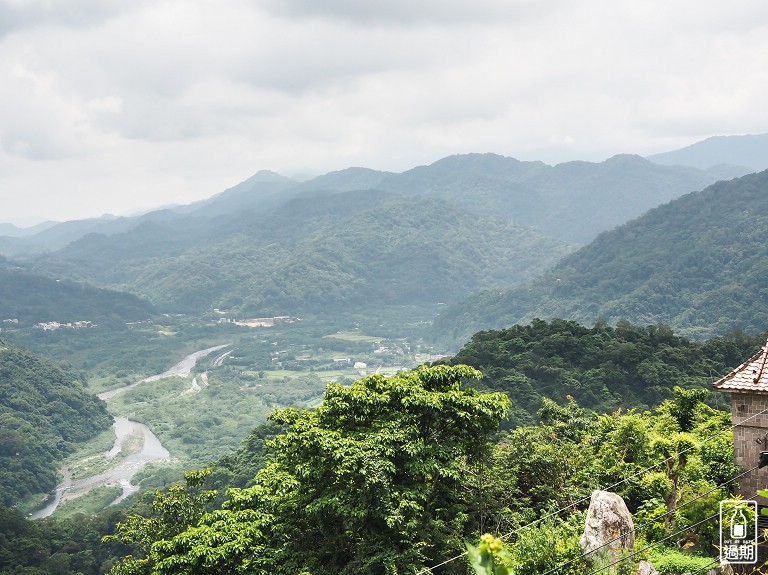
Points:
x=160, y=474
x=196, y=427
x=353, y=336
x=102, y=382
x=89, y=465
x=325, y=375
x=668, y=561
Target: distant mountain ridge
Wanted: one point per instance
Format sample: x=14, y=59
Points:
x=271, y=245
x=13, y=231
x=750, y=151
x=573, y=201
x=698, y=264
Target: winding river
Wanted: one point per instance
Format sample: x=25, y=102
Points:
x=152, y=450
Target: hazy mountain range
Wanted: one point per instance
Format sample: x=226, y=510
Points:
x=750, y=151
x=699, y=264
x=360, y=239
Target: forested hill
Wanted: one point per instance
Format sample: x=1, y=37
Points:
x=44, y=412
x=31, y=298
x=603, y=368
x=318, y=253
x=698, y=264
x=572, y=201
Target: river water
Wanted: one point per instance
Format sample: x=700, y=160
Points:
x=152, y=450
x=181, y=369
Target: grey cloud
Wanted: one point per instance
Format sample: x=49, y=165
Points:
x=409, y=12
x=16, y=16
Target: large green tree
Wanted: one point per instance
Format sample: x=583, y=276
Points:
x=379, y=479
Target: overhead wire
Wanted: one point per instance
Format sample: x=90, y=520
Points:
x=649, y=546
x=614, y=485
x=668, y=459
x=641, y=526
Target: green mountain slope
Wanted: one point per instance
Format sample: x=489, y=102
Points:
x=601, y=367
x=573, y=201
x=44, y=413
x=32, y=298
x=698, y=264
x=318, y=253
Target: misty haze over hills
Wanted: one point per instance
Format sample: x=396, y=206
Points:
x=698, y=264
x=362, y=239
x=749, y=151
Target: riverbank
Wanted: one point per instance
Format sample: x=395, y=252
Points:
x=135, y=446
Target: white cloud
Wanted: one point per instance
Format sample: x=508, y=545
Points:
x=116, y=105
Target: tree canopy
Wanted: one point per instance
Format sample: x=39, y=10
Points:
x=377, y=479
x=604, y=368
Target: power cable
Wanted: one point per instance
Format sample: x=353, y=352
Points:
x=639, y=527
x=633, y=553
x=670, y=458
x=572, y=505
x=630, y=555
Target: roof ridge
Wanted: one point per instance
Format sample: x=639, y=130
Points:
x=749, y=377
x=764, y=351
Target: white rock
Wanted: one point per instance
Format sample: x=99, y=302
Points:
x=646, y=568
x=609, y=533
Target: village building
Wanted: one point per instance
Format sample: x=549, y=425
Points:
x=748, y=386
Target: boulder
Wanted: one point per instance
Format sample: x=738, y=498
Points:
x=609, y=533
x=646, y=568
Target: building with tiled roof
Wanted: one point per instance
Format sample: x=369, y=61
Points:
x=750, y=377
x=748, y=386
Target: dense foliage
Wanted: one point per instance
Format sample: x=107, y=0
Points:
x=365, y=486
x=672, y=467
x=604, y=368
x=377, y=479
x=49, y=547
x=698, y=264
x=44, y=413
x=394, y=475
x=240, y=467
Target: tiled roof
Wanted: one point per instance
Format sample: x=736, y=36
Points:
x=750, y=377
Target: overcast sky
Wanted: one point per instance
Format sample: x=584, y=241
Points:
x=114, y=105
